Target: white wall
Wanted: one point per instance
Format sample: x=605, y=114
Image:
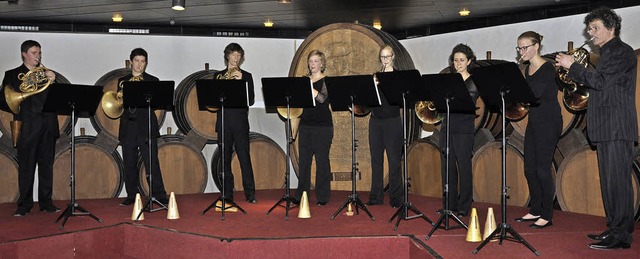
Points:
x=84, y=58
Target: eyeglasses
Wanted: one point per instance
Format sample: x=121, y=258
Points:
x=524, y=48
x=593, y=29
x=386, y=57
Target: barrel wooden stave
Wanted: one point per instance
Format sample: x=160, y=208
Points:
x=186, y=114
x=268, y=161
x=182, y=165
x=578, y=183
x=487, y=175
x=350, y=49
x=9, y=191
x=424, y=168
x=98, y=172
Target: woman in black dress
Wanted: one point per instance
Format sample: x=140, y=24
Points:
x=543, y=130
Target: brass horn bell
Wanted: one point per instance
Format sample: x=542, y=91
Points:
x=426, y=112
x=33, y=82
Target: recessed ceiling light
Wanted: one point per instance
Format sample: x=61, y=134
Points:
x=268, y=23
x=117, y=17
x=178, y=5
x=464, y=12
x=283, y=1
x=377, y=25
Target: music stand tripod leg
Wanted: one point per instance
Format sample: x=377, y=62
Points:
x=353, y=198
x=287, y=199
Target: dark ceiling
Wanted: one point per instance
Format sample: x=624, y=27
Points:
x=402, y=18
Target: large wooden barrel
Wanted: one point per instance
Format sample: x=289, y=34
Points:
x=98, y=171
x=267, y=159
x=182, y=165
x=487, y=173
x=9, y=174
x=424, y=167
x=100, y=121
x=64, y=121
x=350, y=49
x=578, y=183
x=198, y=125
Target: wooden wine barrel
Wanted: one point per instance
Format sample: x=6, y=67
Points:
x=487, y=173
x=198, y=125
x=350, y=49
x=578, y=183
x=182, y=165
x=64, y=121
x=424, y=167
x=9, y=174
x=100, y=121
x=98, y=171
x=268, y=161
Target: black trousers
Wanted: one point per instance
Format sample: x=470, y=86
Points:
x=236, y=137
x=315, y=140
x=540, y=142
x=136, y=144
x=36, y=145
x=385, y=134
x=460, y=178
x=615, y=163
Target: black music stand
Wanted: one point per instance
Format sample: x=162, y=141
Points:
x=345, y=92
x=449, y=94
x=500, y=84
x=68, y=99
x=402, y=88
x=290, y=92
x=221, y=94
x=149, y=94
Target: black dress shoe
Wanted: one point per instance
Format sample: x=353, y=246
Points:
x=51, y=208
x=321, y=203
x=295, y=201
x=610, y=243
x=536, y=226
x=252, y=200
x=525, y=220
x=463, y=213
x=599, y=237
x=127, y=201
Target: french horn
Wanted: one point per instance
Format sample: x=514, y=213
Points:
x=112, y=101
x=426, y=112
x=575, y=95
x=33, y=82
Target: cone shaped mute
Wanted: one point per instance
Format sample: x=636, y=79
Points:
x=473, y=233
x=172, y=212
x=349, y=210
x=489, y=225
x=304, y=212
x=137, y=208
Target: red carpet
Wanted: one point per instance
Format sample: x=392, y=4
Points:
x=256, y=234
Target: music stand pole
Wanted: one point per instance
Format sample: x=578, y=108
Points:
x=70, y=211
x=222, y=198
x=446, y=212
x=353, y=198
x=149, y=204
x=501, y=231
x=287, y=199
x=403, y=211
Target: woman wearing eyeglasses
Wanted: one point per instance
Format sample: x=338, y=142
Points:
x=385, y=132
x=542, y=132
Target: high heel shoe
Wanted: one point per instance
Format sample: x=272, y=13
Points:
x=535, y=226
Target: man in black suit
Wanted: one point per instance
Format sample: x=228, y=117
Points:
x=236, y=125
x=37, y=139
x=133, y=135
x=611, y=122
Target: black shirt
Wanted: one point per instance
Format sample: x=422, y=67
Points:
x=319, y=115
x=544, y=87
x=461, y=122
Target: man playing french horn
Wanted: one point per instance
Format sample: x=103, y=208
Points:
x=39, y=130
x=133, y=134
x=236, y=125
